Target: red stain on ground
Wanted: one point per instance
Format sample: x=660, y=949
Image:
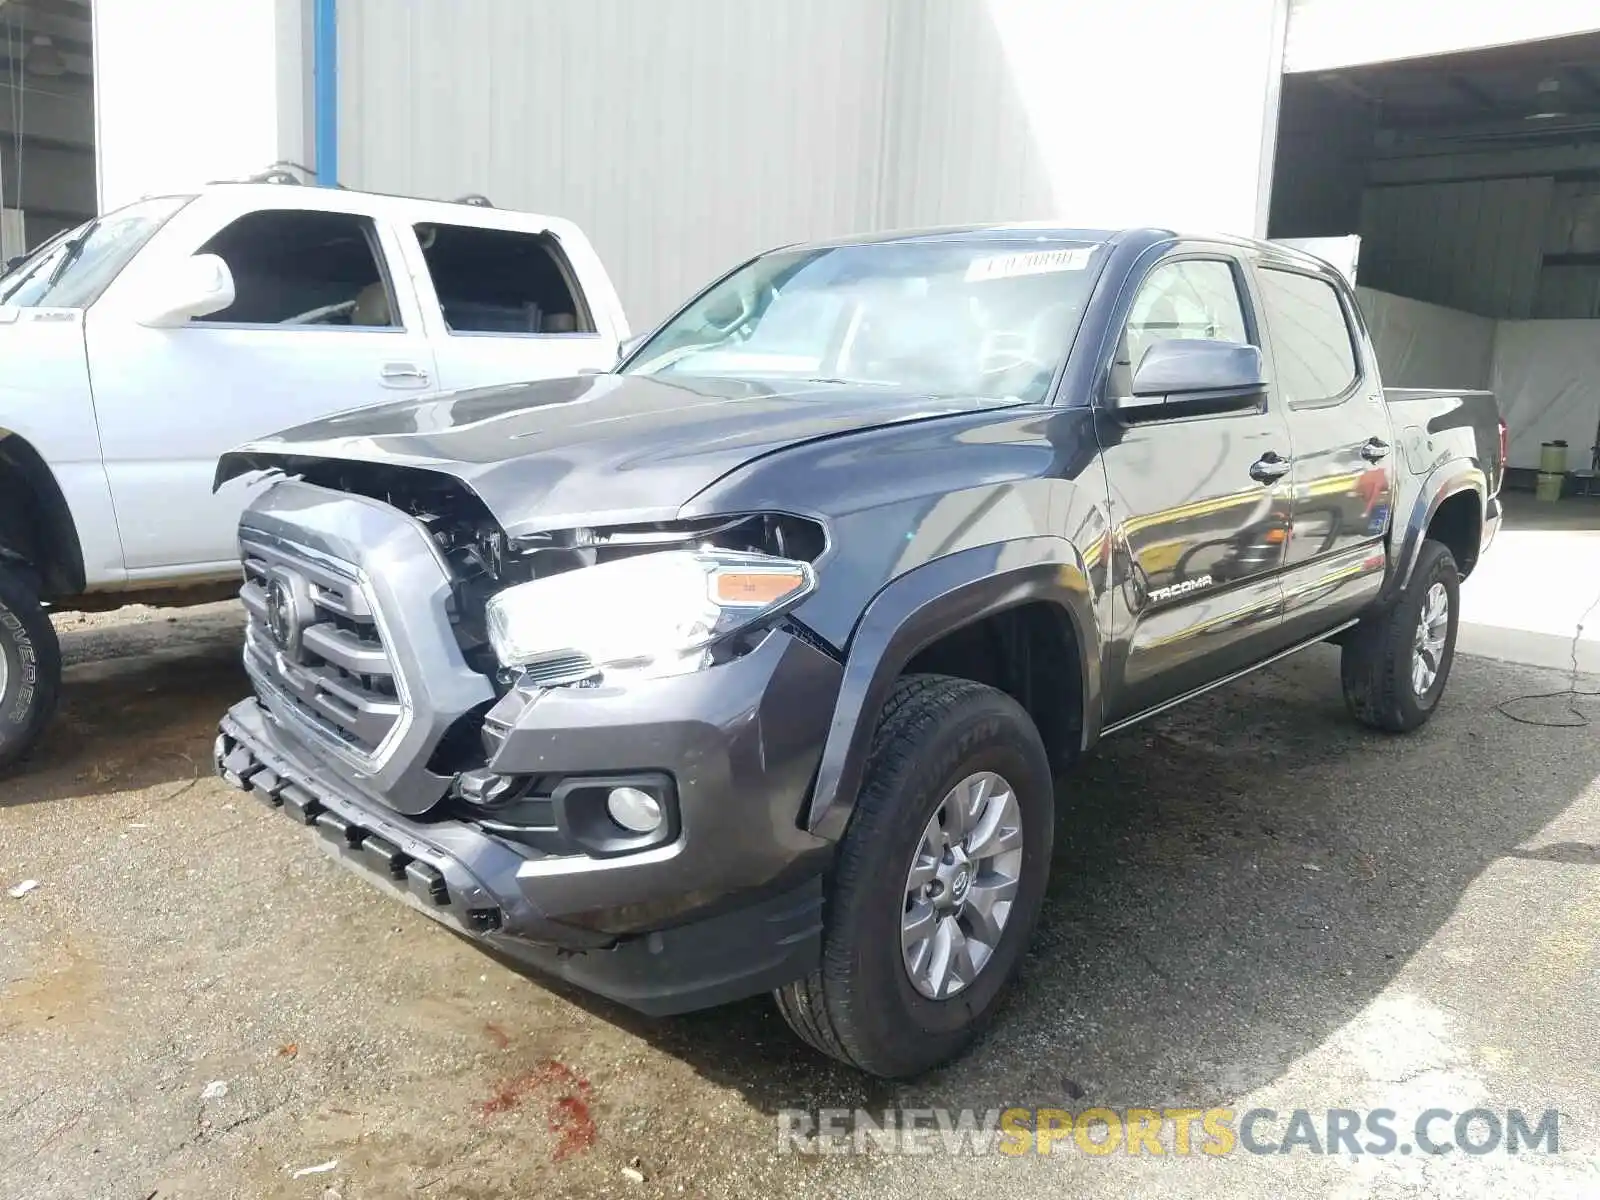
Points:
x=506, y=1097
x=568, y=1115
x=497, y=1035
x=574, y=1127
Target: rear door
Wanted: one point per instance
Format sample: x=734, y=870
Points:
x=1199, y=503
x=320, y=323
x=507, y=297
x=1343, y=461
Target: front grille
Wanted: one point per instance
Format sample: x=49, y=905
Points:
x=312, y=639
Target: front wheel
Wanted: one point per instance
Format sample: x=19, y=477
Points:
x=1396, y=662
x=30, y=666
x=939, y=881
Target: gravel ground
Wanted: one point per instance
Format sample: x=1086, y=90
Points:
x=1254, y=903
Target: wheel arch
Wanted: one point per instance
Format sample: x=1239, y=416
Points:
x=1450, y=481
x=1457, y=523
x=916, y=610
x=41, y=532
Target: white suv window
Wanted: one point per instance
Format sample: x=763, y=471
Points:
x=303, y=267
x=72, y=269
x=502, y=281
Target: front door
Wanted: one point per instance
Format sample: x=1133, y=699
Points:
x=318, y=325
x=1343, y=462
x=1199, y=504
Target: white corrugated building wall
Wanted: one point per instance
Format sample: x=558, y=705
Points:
x=685, y=134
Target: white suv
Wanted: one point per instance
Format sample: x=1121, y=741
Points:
x=137, y=348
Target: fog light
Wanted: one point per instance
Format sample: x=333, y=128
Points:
x=635, y=810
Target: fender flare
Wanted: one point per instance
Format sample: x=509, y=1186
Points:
x=915, y=610
x=55, y=536
x=1446, y=481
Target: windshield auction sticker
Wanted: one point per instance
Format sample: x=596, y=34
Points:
x=1031, y=262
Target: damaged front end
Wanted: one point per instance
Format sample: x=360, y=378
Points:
x=584, y=628
x=597, y=732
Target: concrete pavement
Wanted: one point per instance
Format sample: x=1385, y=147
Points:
x=1255, y=904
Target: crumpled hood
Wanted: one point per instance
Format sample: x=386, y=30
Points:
x=593, y=449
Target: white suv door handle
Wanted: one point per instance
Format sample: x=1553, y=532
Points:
x=403, y=374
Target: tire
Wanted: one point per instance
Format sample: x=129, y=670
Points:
x=1378, y=662
x=861, y=1006
x=30, y=667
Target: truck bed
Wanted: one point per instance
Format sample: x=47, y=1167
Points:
x=1435, y=423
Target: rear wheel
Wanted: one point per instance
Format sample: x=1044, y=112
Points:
x=30, y=666
x=939, y=882
x=1395, y=663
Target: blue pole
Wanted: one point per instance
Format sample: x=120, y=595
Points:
x=325, y=80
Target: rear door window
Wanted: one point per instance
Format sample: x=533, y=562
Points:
x=303, y=268
x=502, y=281
x=1312, y=343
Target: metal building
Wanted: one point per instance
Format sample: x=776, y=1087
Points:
x=47, y=162
x=684, y=134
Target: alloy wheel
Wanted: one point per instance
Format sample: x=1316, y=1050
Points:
x=1427, y=652
x=961, y=885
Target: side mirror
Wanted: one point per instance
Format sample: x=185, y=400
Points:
x=1191, y=376
x=195, y=287
x=628, y=345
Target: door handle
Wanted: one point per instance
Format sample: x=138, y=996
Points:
x=1375, y=450
x=404, y=374
x=1269, y=468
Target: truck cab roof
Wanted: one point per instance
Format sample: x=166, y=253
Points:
x=1138, y=237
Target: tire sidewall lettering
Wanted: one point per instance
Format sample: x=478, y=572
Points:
x=24, y=678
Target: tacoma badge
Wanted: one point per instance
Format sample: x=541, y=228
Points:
x=1181, y=589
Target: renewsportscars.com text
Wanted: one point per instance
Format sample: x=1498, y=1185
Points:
x=1168, y=1131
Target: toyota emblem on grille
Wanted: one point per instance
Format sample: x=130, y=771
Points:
x=280, y=613
x=283, y=616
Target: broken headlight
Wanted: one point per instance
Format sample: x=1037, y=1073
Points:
x=652, y=615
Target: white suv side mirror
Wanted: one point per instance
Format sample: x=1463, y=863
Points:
x=194, y=287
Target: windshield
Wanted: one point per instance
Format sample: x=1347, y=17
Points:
x=944, y=316
x=72, y=269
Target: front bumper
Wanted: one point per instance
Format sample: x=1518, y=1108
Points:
x=730, y=908
x=741, y=952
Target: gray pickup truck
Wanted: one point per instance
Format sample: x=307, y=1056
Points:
x=760, y=662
